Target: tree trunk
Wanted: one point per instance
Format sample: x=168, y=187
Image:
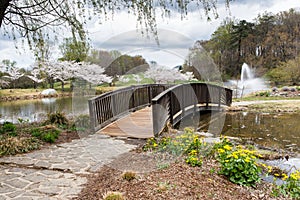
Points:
x=3, y=6
x=62, y=86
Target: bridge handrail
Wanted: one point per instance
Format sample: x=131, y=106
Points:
x=178, y=101
x=110, y=106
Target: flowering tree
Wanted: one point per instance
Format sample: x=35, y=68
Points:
x=13, y=74
x=137, y=78
x=66, y=70
x=35, y=77
x=92, y=73
x=161, y=74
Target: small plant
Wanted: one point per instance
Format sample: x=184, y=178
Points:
x=82, y=122
x=9, y=128
x=188, y=145
x=291, y=187
x=36, y=132
x=58, y=118
x=113, y=196
x=263, y=94
x=49, y=136
x=193, y=159
x=14, y=145
x=238, y=164
x=23, y=121
x=163, y=165
x=163, y=186
x=129, y=176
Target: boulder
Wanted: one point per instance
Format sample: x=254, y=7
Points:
x=49, y=92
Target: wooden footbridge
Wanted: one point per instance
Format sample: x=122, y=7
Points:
x=143, y=111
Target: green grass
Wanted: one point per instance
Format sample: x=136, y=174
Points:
x=263, y=98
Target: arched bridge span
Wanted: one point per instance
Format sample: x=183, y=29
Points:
x=112, y=112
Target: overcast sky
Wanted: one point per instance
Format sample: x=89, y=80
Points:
x=175, y=35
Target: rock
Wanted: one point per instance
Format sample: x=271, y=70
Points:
x=236, y=108
x=49, y=92
x=274, y=89
x=204, y=134
x=285, y=89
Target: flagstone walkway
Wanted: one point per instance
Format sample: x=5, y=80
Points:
x=57, y=172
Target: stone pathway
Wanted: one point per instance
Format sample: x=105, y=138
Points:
x=57, y=172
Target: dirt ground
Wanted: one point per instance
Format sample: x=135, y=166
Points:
x=174, y=180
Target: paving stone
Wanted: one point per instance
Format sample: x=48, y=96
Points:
x=14, y=194
x=50, y=190
x=3, y=197
x=42, y=164
x=36, y=178
x=82, y=156
x=5, y=189
x=17, y=183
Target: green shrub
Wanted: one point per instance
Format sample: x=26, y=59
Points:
x=9, y=128
x=36, y=132
x=58, y=118
x=238, y=164
x=82, y=122
x=187, y=144
x=291, y=187
x=14, y=145
x=49, y=135
x=193, y=159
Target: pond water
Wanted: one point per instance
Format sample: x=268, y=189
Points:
x=37, y=109
x=278, y=131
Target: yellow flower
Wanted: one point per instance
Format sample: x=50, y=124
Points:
x=155, y=145
x=243, y=154
x=284, y=177
x=277, y=175
x=234, y=155
x=247, y=159
x=263, y=165
x=269, y=169
x=295, y=176
x=193, y=152
x=221, y=150
x=227, y=147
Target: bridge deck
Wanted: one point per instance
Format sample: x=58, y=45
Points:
x=136, y=125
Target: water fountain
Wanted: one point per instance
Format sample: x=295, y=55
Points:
x=248, y=82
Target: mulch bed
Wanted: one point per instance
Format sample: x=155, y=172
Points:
x=175, y=181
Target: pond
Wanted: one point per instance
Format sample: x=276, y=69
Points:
x=274, y=131
x=278, y=131
x=37, y=109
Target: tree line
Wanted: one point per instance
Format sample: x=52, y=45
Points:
x=270, y=44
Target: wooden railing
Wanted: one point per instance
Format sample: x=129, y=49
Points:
x=110, y=106
x=181, y=100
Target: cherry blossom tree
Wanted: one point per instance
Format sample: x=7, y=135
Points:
x=124, y=79
x=13, y=74
x=35, y=75
x=92, y=73
x=161, y=74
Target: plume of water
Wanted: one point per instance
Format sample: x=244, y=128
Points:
x=248, y=82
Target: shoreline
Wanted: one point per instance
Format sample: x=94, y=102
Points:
x=34, y=96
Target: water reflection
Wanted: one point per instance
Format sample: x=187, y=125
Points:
x=36, y=110
x=270, y=130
